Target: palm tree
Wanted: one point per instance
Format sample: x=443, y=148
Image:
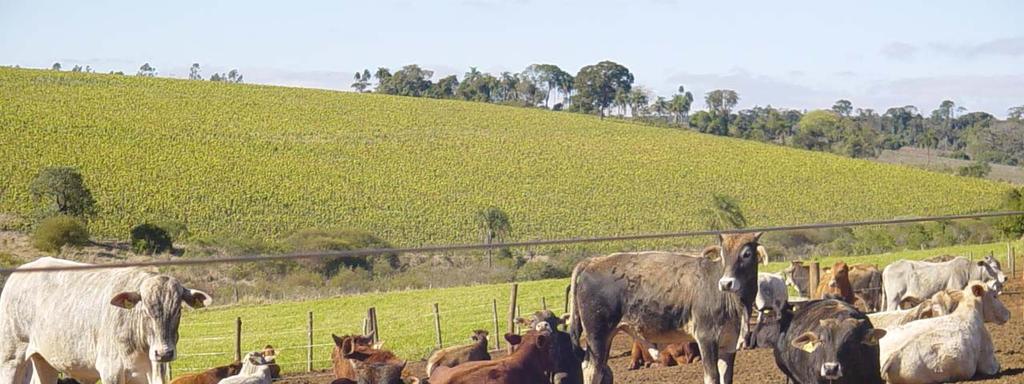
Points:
x=493, y=224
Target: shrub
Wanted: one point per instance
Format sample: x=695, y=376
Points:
x=341, y=240
x=57, y=231
x=149, y=239
x=540, y=270
x=979, y=169
x=175, y=229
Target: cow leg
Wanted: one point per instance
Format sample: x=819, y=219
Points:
x=43, y=372
x=595, y=366
x=709, y=358
x=13, y=367
x=726, y=362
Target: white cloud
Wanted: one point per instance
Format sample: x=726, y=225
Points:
x=899, y=51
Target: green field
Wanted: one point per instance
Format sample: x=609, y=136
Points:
x=264, y=161
x=405, y=317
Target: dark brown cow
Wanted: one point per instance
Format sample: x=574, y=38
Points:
x=662, y=297
x=529, y=364
x=836, y=284
x=866, y=281
x=210, y=376
x=476, y=350
x=270, y=355
x=356, y=359
x=671, y=355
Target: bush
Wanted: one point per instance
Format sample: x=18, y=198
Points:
x=149, y=239
x=175, y=229
x=540, y=270
x=64, y=190
x=979, y=169
x=55, y=232
x=311, y=240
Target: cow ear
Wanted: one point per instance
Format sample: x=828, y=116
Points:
x=197, y=299
x=757, y=235
x=126, y=300
x=872, y=337
x=513, y=339
x=337, y=340
x=712, y=252
x=978, y=290
x=522, y=321
x=807, y=342
x=378, y=345
x=762, y=254
x=565, y=318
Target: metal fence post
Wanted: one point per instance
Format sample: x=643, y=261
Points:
x=497, y=332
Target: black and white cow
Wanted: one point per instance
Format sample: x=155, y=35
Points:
x=661, y=297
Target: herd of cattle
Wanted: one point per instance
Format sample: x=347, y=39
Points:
x=913, y=322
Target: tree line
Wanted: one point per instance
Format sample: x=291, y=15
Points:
x=607, y=89
x=147, y=70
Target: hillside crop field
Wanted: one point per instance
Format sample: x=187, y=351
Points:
x=264, y=161
x=406, y=317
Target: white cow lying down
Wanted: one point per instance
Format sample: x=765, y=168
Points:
x=945, y=348
x=254, y=371
x=110, y=325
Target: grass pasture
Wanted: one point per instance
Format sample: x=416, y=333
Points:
x=405, y=317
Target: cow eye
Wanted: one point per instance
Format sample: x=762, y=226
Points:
x=747, y=254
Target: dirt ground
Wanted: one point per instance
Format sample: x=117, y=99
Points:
x=758, y=366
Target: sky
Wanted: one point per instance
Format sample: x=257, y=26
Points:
x=792, y=54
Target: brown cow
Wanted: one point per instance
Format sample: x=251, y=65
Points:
x=455, y=355
x=210, y=376
x=671, y=355
x=270, y=355
x=866, y=281
x=527, y=365
x=356, y=359
x=836, y=284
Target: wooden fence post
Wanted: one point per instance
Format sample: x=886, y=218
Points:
x=437, y=326
x=812, y=278
x=1009, y=259
x=238, y=339
x=309, y=344
x=543, y=303
x=512, y=311
x=497, y=332
x=371, y=315
x=567, y=289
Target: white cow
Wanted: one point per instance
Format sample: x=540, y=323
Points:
x=923, y=279
x=111, y=325
x=254, y=371
x=945, y=348
x=771, y=293
x=942, y=303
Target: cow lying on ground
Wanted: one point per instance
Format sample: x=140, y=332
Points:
x=942, y=303
x=567, y=365
x=210, y=376
x=924, y=279
x=449, y=357
x=356, y=359
x=946, y=348
x=827, y=341
x=668, y=356
x=270, y=355
x=129, y=316
x=254, y=371
x=661, y=297
x=529, y=364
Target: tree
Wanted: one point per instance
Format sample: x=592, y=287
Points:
x=193, y=72
x=680, y=104
x=721, y=101
x=477, y=86
x=724, y=213
x=411, y=80
x=638, y=99
x=362, y=81
x=382, y=75
x=1013, y=226
x=445, y=88
x=146, y=70
x=64, y=190
x=493, y=224
x=598, y=85
x=234, y=76
x=843, y=107
x=76, y=68
x=55, y=67
x=149, y=239
x=817, y=130
x=216, y=77
x=1015, y=113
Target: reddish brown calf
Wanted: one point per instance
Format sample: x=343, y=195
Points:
x=671, y=355
x=529, y=364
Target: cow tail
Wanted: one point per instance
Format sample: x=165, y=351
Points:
x=575, y=324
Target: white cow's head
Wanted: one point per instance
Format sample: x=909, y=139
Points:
x=991, y=271
x=157, y=303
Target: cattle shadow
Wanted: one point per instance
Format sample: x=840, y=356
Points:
x=1004, y=373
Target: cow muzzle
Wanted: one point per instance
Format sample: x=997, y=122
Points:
x=728, y=284
x=831, y=371
x=163, y=355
